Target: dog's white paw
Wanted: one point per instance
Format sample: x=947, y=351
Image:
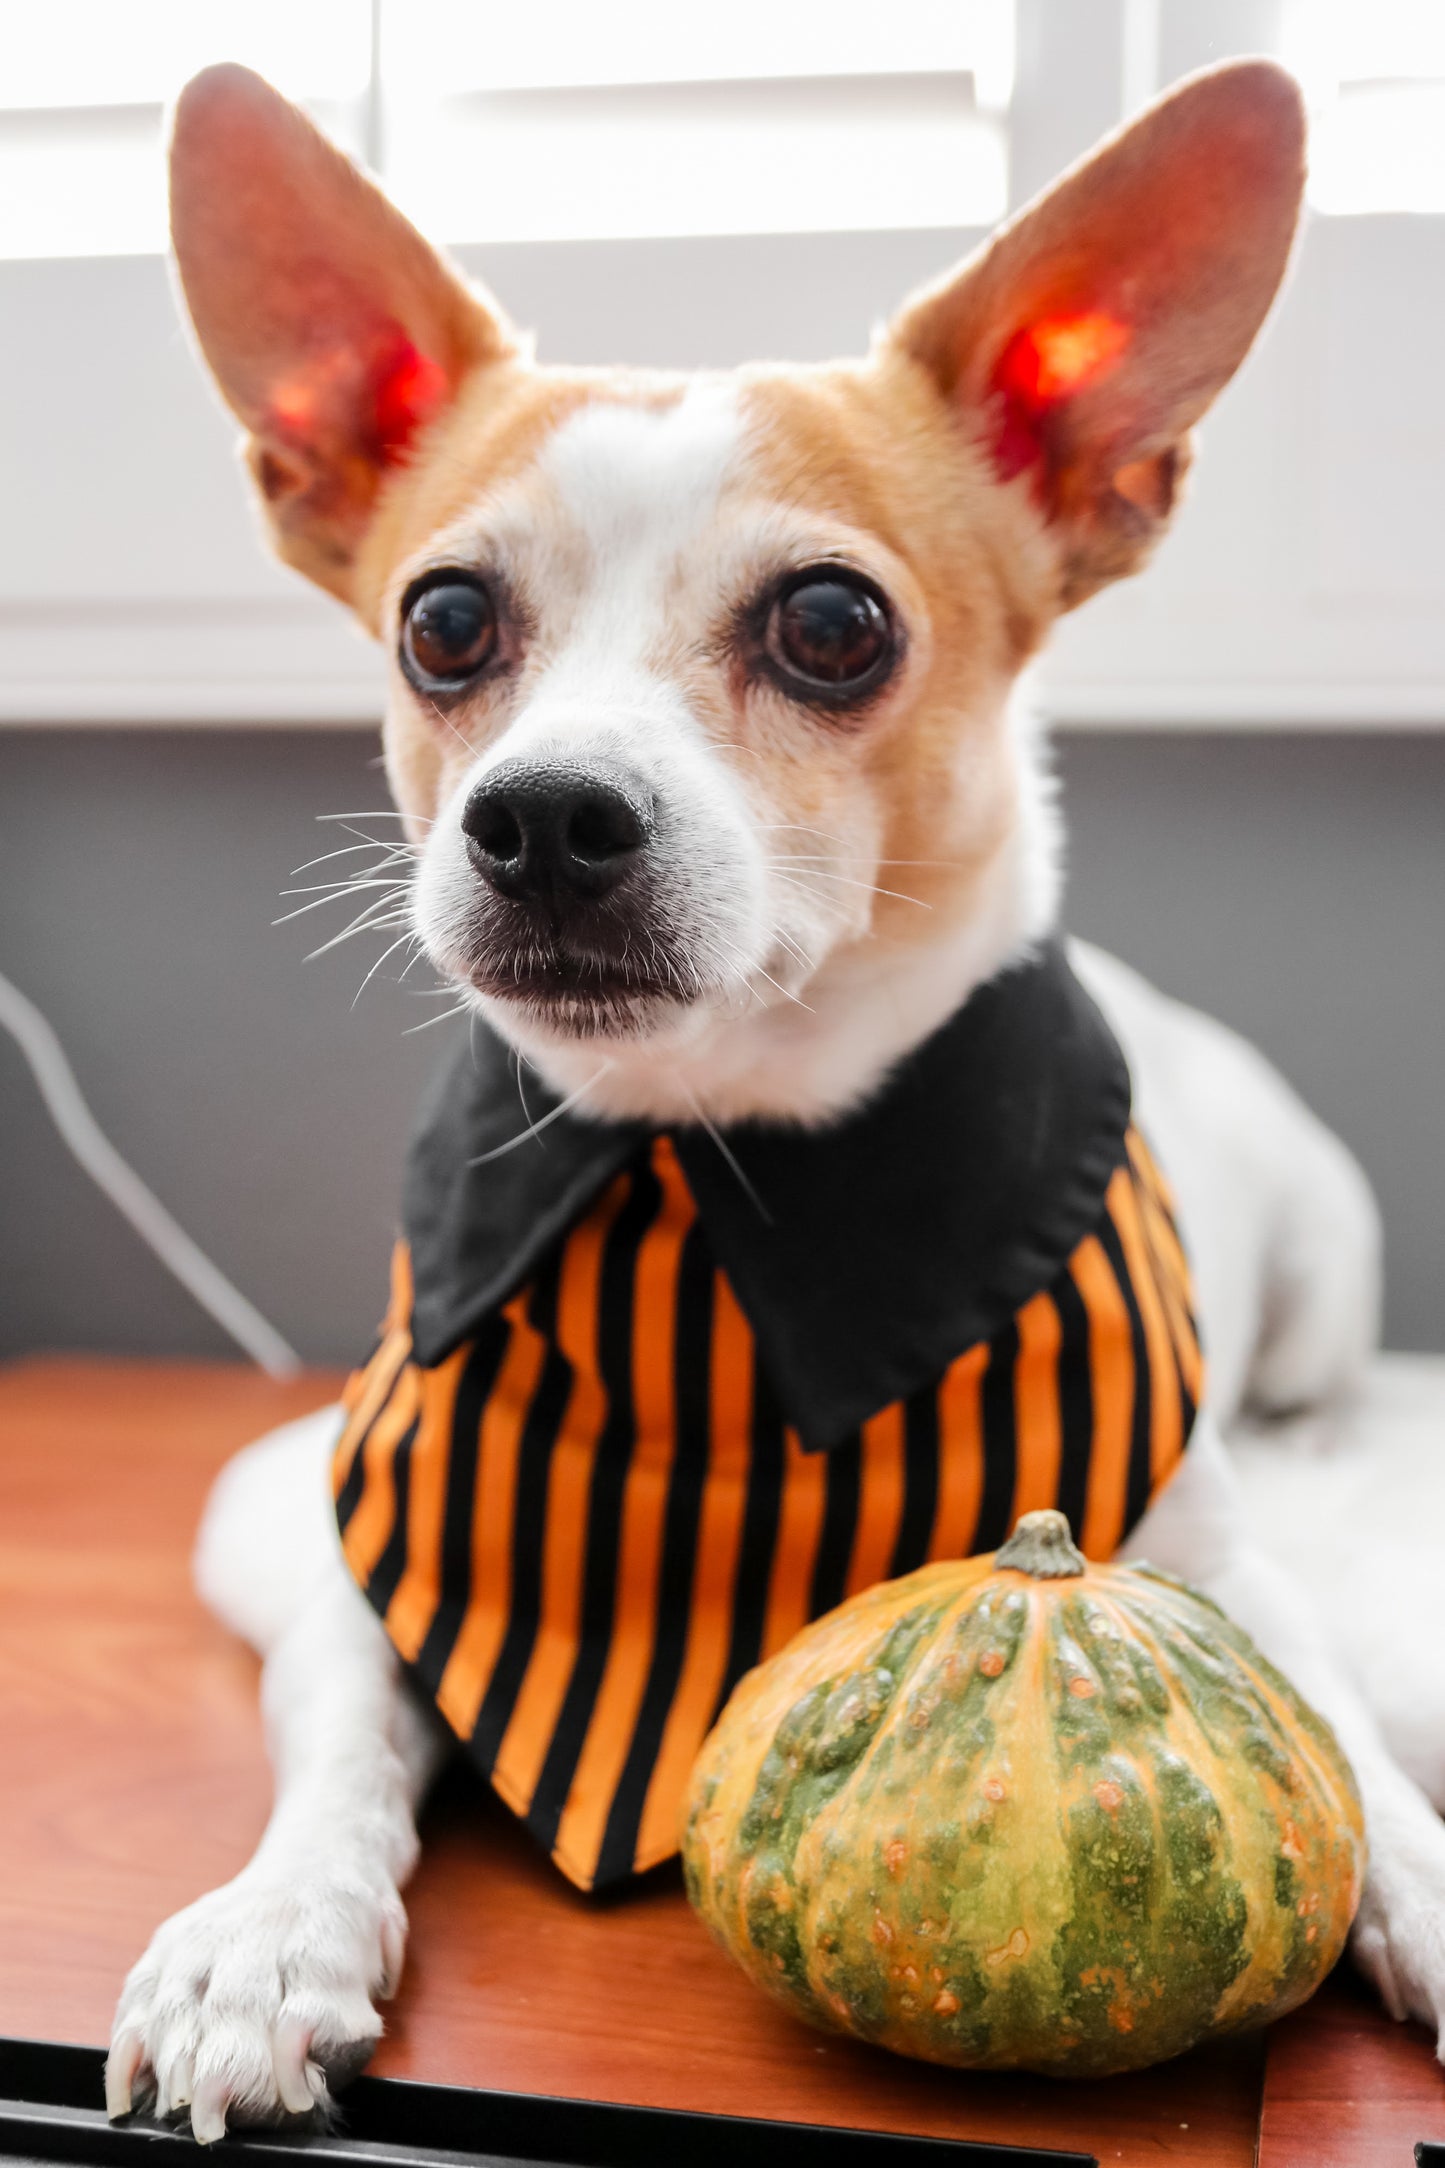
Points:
x=1399, y=1933
x=254, y=2002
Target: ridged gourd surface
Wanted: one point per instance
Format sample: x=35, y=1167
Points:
x=1071, y=1825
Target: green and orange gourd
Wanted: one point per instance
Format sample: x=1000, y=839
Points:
x=1022, y=1812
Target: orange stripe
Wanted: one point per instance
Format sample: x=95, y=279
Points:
x=469, y=1667
x=368, y=1389
x=1149, y=1171
x=1171, y=1277
x=1157, y=1200
x=1166, y=1413
x=719, y=1543
x=569, y=1487
x=418, y=1592
x=1039, y=1441
x=960, y=1455
x=1170, y=1248
x=880, y=1499
x=644, y=1510
x=1170, y=1272
x=1111, y=1377
x=370, y=1525
x=795, y=1550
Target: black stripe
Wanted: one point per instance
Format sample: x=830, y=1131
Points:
x=1139, y=1484
x=384, y=1575
x=474, y=1390
x=1190, y=1411
x=1000, y=1441
x=1170, y=1294
x=844, y=1469
x=615, y=1297
x=692, y=1375
x=529, y=1517
x=920, y=1496
x=1076, y=1402
x=762, y=1516
x=1188, y=1406
x=348, y=1498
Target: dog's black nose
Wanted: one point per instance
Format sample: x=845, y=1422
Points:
x=549, y=832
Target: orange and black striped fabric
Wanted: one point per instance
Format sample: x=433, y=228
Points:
x=586, y=1522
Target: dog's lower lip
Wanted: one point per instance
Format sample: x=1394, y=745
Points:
x=570, y=982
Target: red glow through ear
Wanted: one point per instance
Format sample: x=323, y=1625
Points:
x=1041, y=366
x=294, y=404
x=379, y=400
x=1049, y=360
x=409, y=390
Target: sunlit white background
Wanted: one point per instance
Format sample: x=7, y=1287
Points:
x=567, y=119
x=660, y=181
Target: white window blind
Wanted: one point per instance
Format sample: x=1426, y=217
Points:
x=564, y=121
x=83, y=93
x=668, y=182
x=1374, y=74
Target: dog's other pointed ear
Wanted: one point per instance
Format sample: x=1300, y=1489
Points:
x=333, y=329
x=1084, y=341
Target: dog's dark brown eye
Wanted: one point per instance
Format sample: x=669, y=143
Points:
x=831, y=632
x=449, y=629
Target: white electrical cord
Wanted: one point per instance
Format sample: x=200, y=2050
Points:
x=127, y=1192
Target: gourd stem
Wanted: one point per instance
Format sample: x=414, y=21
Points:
x=1042, y=1545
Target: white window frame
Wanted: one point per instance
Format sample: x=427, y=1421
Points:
x=1305, y=587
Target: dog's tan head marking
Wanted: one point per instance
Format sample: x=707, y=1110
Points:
x=699, y=686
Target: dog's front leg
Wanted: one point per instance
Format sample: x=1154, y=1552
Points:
x=253, y=2001
x=1198, y=1529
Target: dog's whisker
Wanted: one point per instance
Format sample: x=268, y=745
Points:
x=752, y=970
x=392, y=892
x=834, y=906
x=816, y=873
x=378, y=813
x=400, y=942
x=517, y=1066
x=729, y=1157
x=786, y=991
x=811, y=859
x=399, y=849
x=341, y=888
x=499, y=1151
x=794, y=949
x=390, y=863
x=349, y=850
x=366, y=924
x=451, y=726
x=798, y=828
x=443, y=1016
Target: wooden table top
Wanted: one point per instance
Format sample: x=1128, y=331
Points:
x=136, y=1778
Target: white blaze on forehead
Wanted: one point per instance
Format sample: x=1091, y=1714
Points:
x=639, y=486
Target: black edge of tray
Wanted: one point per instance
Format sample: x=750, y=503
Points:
x=50, y=2111
x=1430, y=2153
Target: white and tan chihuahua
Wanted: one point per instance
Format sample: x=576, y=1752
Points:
x=697, y=616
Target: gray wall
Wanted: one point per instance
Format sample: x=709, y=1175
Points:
x=1295, y=885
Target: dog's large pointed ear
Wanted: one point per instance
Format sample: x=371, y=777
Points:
x=1084, y=341
x=333, y=329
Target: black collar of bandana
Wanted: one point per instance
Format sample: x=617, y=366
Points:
x=893, y=1241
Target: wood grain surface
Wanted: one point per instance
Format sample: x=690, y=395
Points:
x=1347, y=2088
x=135, y=1778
